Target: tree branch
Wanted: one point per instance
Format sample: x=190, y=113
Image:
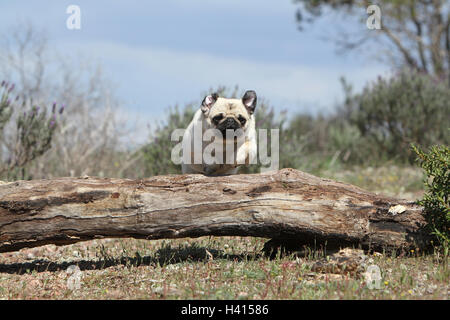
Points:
x=419, y=39
x=396, y=40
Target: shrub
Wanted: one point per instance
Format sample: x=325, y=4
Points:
x=436, y=200
x=374, y=126
x=5, y=104
x=266, y=118
x=392, y=113
x=33, y=131
x=305, y=143
x=156, y=155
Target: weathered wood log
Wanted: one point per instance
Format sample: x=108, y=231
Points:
x=286, y=204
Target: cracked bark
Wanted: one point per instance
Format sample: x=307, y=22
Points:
x=287, y=205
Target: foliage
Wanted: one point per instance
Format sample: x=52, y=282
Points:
x=34, y=129
x=156, y=154
x=266, y=118
x=436, y=201
x=391, y=113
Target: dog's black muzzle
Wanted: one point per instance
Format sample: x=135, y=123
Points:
x=228, y=124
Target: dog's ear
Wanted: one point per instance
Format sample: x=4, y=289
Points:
x=208, y=102
x=249, y=101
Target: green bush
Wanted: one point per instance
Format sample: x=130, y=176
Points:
x=266, y=118
x=392, y=113
x=436, y=200
x=5, y=105
x=33, y=131
x=156, y=155
x=372, y=127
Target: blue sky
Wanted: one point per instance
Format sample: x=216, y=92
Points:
x=162, y=53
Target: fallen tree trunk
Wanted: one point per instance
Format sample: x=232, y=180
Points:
x=287, y=204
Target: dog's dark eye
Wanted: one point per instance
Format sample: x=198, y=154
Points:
x=242, y=120
x=217, y=118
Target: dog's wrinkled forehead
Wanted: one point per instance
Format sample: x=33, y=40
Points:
x=228, y=106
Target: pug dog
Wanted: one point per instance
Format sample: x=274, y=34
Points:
x=230, y=124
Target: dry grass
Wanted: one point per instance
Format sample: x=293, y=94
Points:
x=206, y=268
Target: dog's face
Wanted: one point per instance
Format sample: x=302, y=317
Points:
x=229, y=114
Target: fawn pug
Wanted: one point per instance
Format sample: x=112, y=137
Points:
x=230, y=124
